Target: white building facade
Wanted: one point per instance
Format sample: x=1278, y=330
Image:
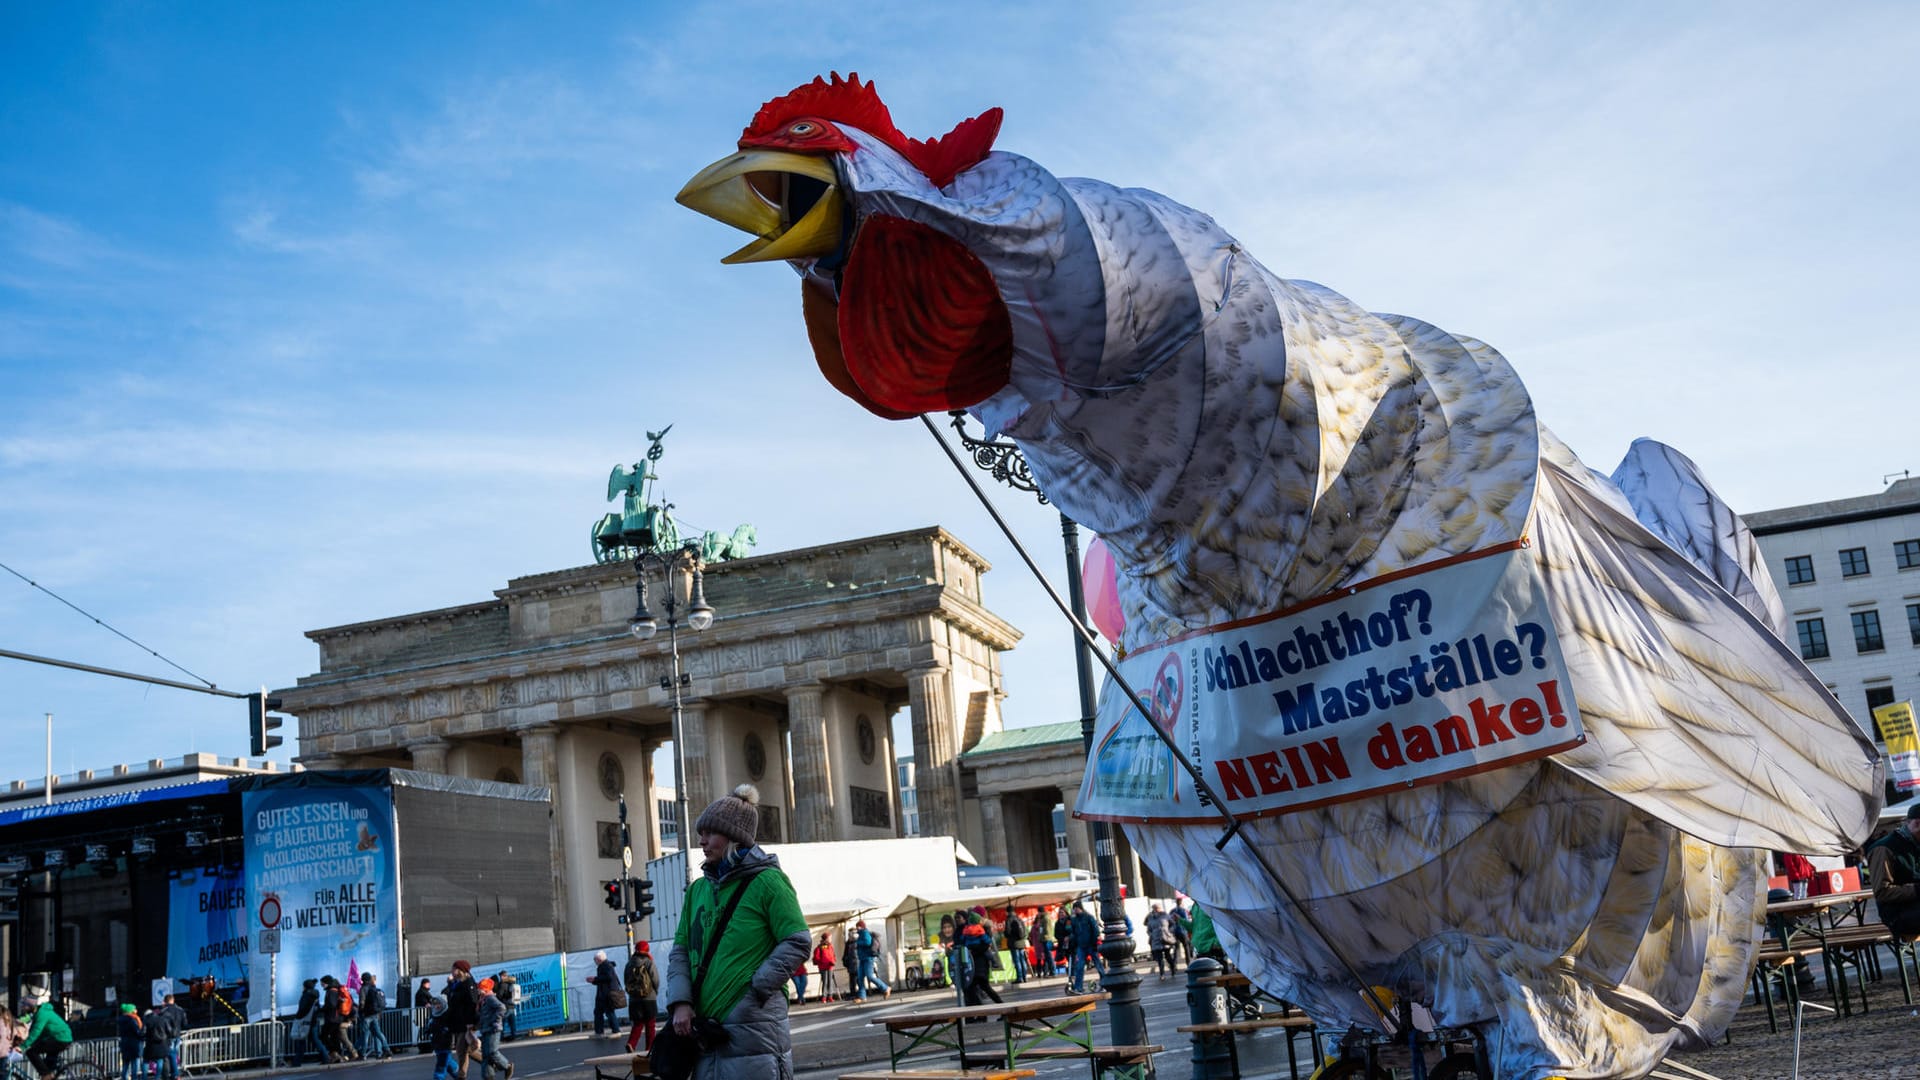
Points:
x=1848, y=572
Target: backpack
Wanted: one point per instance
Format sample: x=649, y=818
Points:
x=649, y=980
x=346, y=1003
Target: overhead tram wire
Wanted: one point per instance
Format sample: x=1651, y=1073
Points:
x=1200, y=783
x=102, y=622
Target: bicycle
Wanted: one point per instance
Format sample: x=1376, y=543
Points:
x=1366, y=1054
x=64, y=1068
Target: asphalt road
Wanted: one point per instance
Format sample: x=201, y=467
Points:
x=835, y=1038
x=828, y=1039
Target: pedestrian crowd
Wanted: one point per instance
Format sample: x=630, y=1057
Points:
x=149, y=1040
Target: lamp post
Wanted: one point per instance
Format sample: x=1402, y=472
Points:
x=697, y=615
x=1126, y=1020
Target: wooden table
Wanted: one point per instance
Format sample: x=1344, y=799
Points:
x=1243, y=998
x=1820, y=918
x=621, y=1066
x=1294, y=1026
x=1027, y=1025
x=1816, y=915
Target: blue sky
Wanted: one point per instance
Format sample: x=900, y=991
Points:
x=316, y=313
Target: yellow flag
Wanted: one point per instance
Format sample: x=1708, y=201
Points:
x=1895, y=722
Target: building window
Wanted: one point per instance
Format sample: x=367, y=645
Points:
x=909, y=798
x=1866, y=632
x=1906, y=554
x=1876, y=697
x=1853, y=562
x=1799, y=569
x=1813, y=639
x=1913, y=622
x=667, y=814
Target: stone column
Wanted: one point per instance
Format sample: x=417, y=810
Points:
x=540, y=767
x=648, y=848
x=693, y=728
x=813, y=784
x=430, y=755
x=896, y=805
x=930, y=705
x=1019, y=812
x=993, y=825
x=1079, y=845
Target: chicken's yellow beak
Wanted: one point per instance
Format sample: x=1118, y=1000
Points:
x=791, y=202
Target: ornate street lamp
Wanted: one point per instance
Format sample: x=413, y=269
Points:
x=644, y=531
x=1126, y=1020
x=698, y=615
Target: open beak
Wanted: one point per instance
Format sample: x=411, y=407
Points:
x=790, y=202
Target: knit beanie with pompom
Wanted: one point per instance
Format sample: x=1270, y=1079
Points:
x=735, y=816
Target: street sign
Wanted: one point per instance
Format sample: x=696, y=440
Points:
x=269, y=942
x=626, y=857
x=270, y=914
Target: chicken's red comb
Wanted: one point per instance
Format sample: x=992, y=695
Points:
x=856, y=104
x=843, y=101
x=958, y=150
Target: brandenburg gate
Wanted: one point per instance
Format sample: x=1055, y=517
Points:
x=792, y=688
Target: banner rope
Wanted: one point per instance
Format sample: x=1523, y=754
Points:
x=1200, y=783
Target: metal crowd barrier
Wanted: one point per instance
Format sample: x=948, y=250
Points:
x=102, y=1052
x=232, y=1044
x=209, y=1049
x=401, y=1027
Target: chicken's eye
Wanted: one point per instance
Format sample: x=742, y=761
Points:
x=803, y=128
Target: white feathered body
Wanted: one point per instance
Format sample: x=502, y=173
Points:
x=1245, y=442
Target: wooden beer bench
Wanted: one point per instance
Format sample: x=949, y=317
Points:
x=1781, y=964
x=1294, y=1026
x=942, y=1074
x=1123, y=1062
x=1027, y=1027
x=621, y=1066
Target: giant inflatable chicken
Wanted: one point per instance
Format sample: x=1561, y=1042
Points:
x=1249, y=445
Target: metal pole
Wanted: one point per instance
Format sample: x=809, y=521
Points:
x=626, y=873
x=273, y=1010
x=1008, y=466
x=1126, y=1020
x=72, y=666
x=679, y=741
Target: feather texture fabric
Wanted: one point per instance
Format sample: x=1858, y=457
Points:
x=1245, y=442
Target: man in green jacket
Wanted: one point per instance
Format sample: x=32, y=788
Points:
x=1205, y=941
x=49, y=1036
x=742, y=975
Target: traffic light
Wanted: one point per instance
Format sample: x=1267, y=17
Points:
x=259, y=722
x=642, y=896
x=616, y=898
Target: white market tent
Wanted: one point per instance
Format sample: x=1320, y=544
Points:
x=834, y=912
x=1028, y=895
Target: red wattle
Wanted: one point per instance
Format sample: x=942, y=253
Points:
x=823, y=330
x=922, y=325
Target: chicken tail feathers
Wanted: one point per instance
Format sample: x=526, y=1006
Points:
x=1672, y=499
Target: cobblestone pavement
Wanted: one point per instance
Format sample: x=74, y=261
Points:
x=1881, y=1045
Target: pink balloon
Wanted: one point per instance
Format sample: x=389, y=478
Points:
x=1101, y=580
